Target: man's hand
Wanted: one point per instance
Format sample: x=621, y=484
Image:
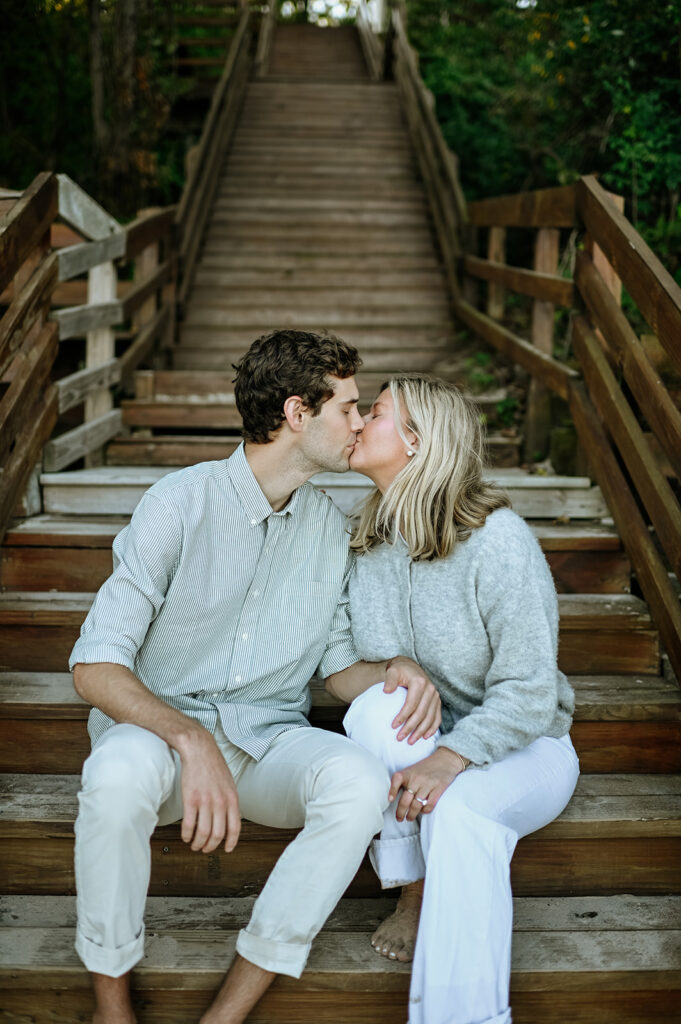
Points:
x=424, y=783
x=211, y=803
x=421, y=712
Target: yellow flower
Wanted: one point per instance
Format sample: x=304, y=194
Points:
x=549, y=54
x=571, y=44
x=560, y=78
x=585, y=39
x=586, y=20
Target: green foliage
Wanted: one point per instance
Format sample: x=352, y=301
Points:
x=535, y=95
x=506, y=410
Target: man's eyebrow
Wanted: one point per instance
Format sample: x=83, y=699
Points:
x=350, y=401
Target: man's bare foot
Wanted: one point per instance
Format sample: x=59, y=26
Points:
x=395, y=937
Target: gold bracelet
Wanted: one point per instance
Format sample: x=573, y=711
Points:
x=463, y=763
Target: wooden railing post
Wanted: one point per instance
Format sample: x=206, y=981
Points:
x=538, y=412
x=496, y=253
x=100, y=347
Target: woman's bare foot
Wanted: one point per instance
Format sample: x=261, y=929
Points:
x=395, y=937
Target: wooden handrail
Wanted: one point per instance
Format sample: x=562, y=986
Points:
x=652, y=288
x=26, y=224
x=265, y=38
x=201, y=183
x=372, y=47
x=546, y=207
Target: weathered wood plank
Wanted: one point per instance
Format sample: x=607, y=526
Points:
x=643, y=379
x=32, y=301
x=652, y=288
x=614, y=410
x=638, y=543
x=141, y=292
x=31, y=370
x=18, y=468
x=74, y=444
x=76, y=259
x=81, y=211
x=74, y=388
x=548, y=287
x=147, y=229
x=548, y=207
x=75, y=321
x=548, y=370
x=25, y=224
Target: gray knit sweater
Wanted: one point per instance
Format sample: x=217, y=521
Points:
x=483, y=623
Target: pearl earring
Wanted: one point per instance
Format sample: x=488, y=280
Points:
x=410, y=452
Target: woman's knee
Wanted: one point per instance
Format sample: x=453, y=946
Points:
x=369, y=722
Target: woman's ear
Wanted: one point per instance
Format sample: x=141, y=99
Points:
x=294, y=411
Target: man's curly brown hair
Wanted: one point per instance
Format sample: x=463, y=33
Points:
x=285, y=363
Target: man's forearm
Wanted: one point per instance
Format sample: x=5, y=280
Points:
x=352, y=681
x=117, y=691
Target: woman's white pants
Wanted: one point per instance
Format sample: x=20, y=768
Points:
x=462, y=960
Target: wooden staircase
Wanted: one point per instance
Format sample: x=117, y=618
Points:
x=320, y=222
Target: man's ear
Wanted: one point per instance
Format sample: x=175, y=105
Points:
x=294, y=411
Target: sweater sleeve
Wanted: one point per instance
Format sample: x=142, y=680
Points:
x=518, y=605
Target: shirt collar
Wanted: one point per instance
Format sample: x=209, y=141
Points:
x=255, y=504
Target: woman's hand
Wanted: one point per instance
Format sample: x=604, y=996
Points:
x=424, y=781
x=421, y=713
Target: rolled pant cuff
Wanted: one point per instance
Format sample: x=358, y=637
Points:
x=397, y=861
x=280, y=957
x=112, y=962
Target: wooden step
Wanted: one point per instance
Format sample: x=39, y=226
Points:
x=609, y=633
x=427, y=300
x=622, y=723
x=116, y=491
x=601, y=960
x=619, y=833
x=74, y=553
x=110, y=490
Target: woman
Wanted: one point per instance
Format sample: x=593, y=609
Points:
x=448, y=575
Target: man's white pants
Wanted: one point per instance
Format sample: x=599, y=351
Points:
x=462, y=960
x=308, y=778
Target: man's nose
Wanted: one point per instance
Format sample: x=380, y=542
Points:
x=357, y=422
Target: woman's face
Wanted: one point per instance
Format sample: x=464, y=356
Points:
x=380, y=452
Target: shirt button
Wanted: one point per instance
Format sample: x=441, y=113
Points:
x=244, y=636
x=256, y=593
x=253, y=522
x=237, y=679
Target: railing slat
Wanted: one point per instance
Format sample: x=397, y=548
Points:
x=25, y=308
x=17, y=470
x=646, y=386
x=26, y=223
x=558, y=290
x=545, y=208
x=650, y=570
x=30, y=373
x=548, y=370
x=652, y=288
x=82, y=440
x=76, y=259
x=75, y=388
x=75, y=321
x=614, y=410
x=146, y=230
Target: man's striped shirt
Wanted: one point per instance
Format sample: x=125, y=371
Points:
x=222, y=606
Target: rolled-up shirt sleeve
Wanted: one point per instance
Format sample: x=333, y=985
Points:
x=340, y=651
x=145, y=557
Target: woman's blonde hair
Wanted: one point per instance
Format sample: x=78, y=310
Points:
x=439, y=497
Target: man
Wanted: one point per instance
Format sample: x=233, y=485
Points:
x=228, y=592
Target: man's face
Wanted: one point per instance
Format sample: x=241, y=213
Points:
x=328, y=439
